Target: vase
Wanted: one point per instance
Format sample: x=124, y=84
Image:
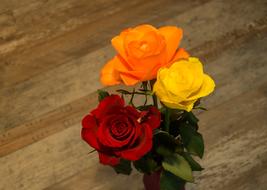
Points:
x=152, y=181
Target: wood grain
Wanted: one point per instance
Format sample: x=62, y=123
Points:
x=44, y=92
x=52, y=51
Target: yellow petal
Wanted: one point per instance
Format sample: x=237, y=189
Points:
x=186, y=105
x=207, y=87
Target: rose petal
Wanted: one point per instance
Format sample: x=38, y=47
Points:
x=207, y=87
x=148, y=64
x=107, y=106
x=144, y=144
x=118, y=43
x=145, y=28
x=105, y=136
x=184, y=105
x=121, y=65
x=173, y=36
x=132, y=112
x=129, y=79
x=109, y=75
x=153, y=117
x=108, y=159
x=181, y=53
x=89, y=131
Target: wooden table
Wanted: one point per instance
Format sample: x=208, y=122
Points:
x=50, y=56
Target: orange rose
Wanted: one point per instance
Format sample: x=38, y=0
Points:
x=141, y=52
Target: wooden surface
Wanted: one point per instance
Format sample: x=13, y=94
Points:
x=50, y=56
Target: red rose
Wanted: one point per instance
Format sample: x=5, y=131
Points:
x=118, y=131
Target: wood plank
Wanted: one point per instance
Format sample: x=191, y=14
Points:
x=48, y=107
x=43, y=93
x=250, y=73
x=67, y=152
x=38, y=21
x=236, y=143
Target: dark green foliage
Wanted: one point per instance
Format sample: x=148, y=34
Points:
x=195, y=166
x=102, y=94
x=124, y=167
x=193, y=141
x=164, y=144
x=191, y=118
x=146, y=164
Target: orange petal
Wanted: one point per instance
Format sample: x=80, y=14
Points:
x=121, y=65
x=173, y=36
x=118, y=43
x=145, y=28
x=180, y=54
x=109, y=75
x=129, y=79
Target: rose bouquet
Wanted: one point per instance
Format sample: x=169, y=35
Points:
x=160, y=136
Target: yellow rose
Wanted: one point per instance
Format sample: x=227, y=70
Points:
x=182, y=84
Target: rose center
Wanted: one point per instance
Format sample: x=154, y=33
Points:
x=119, y=129
x=144, y=46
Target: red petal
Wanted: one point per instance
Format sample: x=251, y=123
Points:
x=107, y=139
x=153, y=117
x=145, y=144
x=89, y=131
x=108, y=159
x=132, y=111
x=108, y=105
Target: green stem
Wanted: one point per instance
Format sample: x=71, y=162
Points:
x=154, y=97
x=155, y=100
x=167, y=119
x=130, y=93
x=144, y=85
x=132, y=97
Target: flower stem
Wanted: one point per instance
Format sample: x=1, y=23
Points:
x=154, y=97
x=132, y=97
x=155, y=100
x=167, y=119
x=144, y=85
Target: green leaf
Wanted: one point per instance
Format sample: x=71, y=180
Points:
x=192, y=140
x=124, y=167
x=195, y=166
x=146, y=165
x=164, y=143
x=168, y=181
x=178, y=166
x=192, y=118
x=102, y=94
